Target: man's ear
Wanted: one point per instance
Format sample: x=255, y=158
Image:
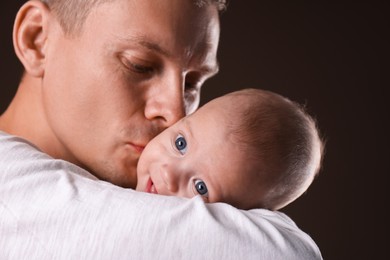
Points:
x=29, y=36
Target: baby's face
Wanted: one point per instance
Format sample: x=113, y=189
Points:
x=196, y=156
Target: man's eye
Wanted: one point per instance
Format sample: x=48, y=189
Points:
x=135, y=66
x=140, y=68
x=181, y=144
x=201, y=188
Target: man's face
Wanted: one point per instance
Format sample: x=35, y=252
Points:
x=136, y=68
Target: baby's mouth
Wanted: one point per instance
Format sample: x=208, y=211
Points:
x=150, y=188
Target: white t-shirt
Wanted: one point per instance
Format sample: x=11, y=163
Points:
x=52, y=209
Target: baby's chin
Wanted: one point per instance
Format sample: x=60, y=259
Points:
x=138, y=187
x=142, y=180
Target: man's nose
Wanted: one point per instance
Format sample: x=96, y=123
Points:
x=165, y=102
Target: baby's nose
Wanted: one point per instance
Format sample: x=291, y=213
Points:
x=171, y=179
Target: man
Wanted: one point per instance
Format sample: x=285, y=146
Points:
x=102, y=78
x=98, y=91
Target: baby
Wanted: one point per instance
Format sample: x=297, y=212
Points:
x=251, y=148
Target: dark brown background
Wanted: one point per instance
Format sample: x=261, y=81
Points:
x=330, y=57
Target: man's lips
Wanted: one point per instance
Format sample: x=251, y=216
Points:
x=138, y=148
x=150, y=188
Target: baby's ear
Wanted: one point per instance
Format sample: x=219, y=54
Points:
x=29, y=36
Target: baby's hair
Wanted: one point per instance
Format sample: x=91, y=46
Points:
x=284, y=141
x=72, y=14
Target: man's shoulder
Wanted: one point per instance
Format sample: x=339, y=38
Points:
x=22, y=158
x=14, y=144
x=67, y=213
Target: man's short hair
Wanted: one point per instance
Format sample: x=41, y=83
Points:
x=72, y=14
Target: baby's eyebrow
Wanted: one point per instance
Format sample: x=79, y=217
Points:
x=189, y=127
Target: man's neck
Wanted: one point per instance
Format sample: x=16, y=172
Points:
x=25, y=117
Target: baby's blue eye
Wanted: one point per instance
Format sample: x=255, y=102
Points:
x=201, y=187
x=181, y=144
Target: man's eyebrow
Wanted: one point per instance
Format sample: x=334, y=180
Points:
x=152, y=46
x=155, y=47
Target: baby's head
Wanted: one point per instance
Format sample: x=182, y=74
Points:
x=250, y=148
x=281, y=142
